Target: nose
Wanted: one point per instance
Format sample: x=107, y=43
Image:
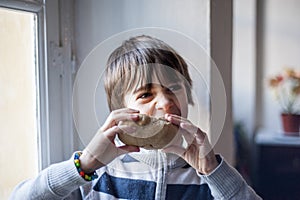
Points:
x=164, y=102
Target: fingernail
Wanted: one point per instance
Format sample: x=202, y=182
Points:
x=184, y=125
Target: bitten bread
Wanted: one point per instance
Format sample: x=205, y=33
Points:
x=151, y=133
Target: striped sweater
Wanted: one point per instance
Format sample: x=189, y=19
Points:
x=144, y=175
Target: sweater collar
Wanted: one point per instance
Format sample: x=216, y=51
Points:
x=157, y=159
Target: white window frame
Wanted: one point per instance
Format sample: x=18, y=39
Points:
x=37, y=7
x=61, y=73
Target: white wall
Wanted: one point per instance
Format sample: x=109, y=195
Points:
x=99, y=19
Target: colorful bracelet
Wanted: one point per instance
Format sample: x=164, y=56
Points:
x=87, y=177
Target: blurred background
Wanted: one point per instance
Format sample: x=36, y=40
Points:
x=44, y=43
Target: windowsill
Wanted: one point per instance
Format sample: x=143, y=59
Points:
x=276, y=138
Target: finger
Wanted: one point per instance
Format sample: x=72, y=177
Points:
x=110, y=133
x=204, y=145
x=118, y=115
x=102, y=147
x=185, y=124
x=128, y=110
x=180, y=142
x=175, y=119
x=191, y=128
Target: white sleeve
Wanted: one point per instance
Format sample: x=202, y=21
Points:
x=58, y=181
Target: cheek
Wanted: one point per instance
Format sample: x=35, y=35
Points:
x=130, y=102
x=145, y=109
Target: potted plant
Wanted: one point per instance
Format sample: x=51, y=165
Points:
x=286, y=90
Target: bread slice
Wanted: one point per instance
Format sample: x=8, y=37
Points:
x=151, y=133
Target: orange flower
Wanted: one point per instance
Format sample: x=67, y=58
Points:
x=274, y=82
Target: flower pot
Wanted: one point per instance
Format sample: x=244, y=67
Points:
x=291, y=123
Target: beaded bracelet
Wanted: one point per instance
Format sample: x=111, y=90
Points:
x=87, y=177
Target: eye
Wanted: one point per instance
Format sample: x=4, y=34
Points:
x=144, y=95
x=174, y=88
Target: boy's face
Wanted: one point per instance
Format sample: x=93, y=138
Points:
x=157, y=99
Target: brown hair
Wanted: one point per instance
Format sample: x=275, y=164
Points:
x=135, y=61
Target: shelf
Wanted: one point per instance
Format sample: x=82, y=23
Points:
x=267, y=137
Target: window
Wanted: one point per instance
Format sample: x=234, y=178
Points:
x=18, y=103
x=23, y=115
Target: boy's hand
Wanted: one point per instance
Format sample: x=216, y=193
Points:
x=192, y=145
x=101, y=150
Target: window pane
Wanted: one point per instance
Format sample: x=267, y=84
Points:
x=18, y=99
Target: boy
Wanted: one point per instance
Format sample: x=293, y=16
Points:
x=143, y=76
